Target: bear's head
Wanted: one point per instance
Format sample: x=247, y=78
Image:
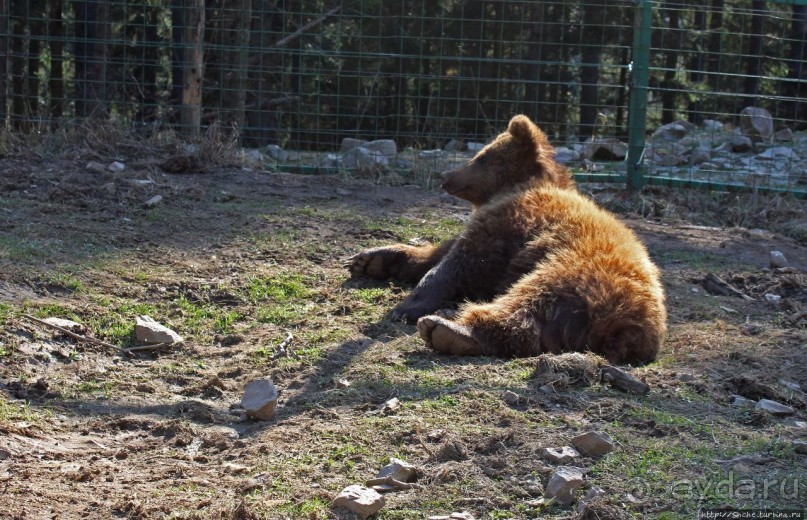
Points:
x=519, y=155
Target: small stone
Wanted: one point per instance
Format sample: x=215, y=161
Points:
x=785, y=134
x=605, y=149
x=686, y=378
x=464, y=515
x=391, y=406
x=773, y=299
x=790, y=385
x=475, y=147
x=739, y=401
x=559, y=455
x=253, y=155
x=593, y=444
x=148, y=330
x=349, y=143
x=778, y=152
x=741, y=144
x=95, y=167
x=400, y=470
x=153, y=201
x=671, y=132
x=778, y=259
x=547, y=388
x=360, y=500
x=563, y=483
x=343, y=383
x=387, y=148
x=142, y=182
x=109, y=188
x=593, y=493
x=260, y=399
x=116, y=167
x=70, y=325
x=800, y=447
x=711, y=124
x=277, y=153
x=431, y=154
x=774, y=408
x=565, y=155
x=509, y=397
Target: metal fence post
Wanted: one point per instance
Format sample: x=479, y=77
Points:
x=637, y=108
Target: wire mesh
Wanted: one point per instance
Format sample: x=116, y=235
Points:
x=305, y=75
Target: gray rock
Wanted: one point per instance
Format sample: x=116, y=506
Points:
x=253, y=155
x=510, y=397
x=711, y=124
x=454, y=146
x=686, y=378
x=70, y=325
x=700, y=156
x=360, y=500
x=384, y=147
x=740, y=144
x=332, y=160
x=591, y=494
x=95, y=167
x=364, y=159
x=563, y=483
x=277, y=153
x=778, y=259
x=774, y=408
x=260, y=399
x=671, y=132
x=564, y=155
x=350, y=143
x=800, y=447
x=593, y=444
x=391, y=406
x=785, y=134
x=149, y=331
x=475, y=147
x=463, y=515
x=790, y=385
x=739, y=401
x=756, y=123
x=431, y=154
x=559, y=455
x=774, y=299
x=400, y=470
x=153, y=201
x=116, y=167
x=609, y=149
x=779, y=152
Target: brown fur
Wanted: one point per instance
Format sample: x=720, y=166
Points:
x=557, y=272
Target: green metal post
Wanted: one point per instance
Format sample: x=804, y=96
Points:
x=637, y=108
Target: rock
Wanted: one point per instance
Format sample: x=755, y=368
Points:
x=253, y=155
x=593, y=493
x=277, y=153
x=360, y=500
x=116, y=167
x=70, y=325
x=756, y=123
x=779, y=152
x=563, y=483
x=95, y=167
x=785, y=134
x=790, y=385
x=454, y=146
x=606, y=149
x=686, y=378
x=700, y=156
x=711, y=124
x=464, y=515
x=565, y=155
x=391, y=406
x=343, y=383
x=332, y=160
x=400, y=470
x=739, y=401
x=509, y=397
x=774, y=299
x=109, y=188
x=349, y=144
x=142, y=182
x=778, y=259
x=740, y=144
x=431, y=154
x=774, y=408
x=475, y=147
x=800, y=447
x=384, y=147
x=593, y=444
x=260, y=399
x=153, y=201
x=364, y=159
x=559, y=455
x=671, y=132
x=148, y=330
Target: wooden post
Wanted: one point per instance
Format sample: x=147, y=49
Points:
x=193, y=51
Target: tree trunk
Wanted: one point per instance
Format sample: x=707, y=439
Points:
x=56, y=77
x=671, y=46
x=793, y=88
x=193, y=62
x=715, y=48
x=4, y=70
x=92, y=40
x=754, y=62
x=591, y=50
x=20, y=41
x=696, y=63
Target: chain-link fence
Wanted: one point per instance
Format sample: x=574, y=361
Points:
x=714, y=87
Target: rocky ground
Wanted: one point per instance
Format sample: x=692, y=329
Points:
x=246, y=265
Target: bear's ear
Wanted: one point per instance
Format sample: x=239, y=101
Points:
x=524, y=131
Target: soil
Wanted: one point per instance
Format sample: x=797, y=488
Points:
x=237, y=258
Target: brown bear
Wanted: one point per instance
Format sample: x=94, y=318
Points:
x=557, y=273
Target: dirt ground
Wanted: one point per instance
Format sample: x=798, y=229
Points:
x=237, y=258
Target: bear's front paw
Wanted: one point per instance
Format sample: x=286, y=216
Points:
x=376, y=263
x=409, y=312
x=447, y=337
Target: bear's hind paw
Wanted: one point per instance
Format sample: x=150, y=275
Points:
x=447, y=337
